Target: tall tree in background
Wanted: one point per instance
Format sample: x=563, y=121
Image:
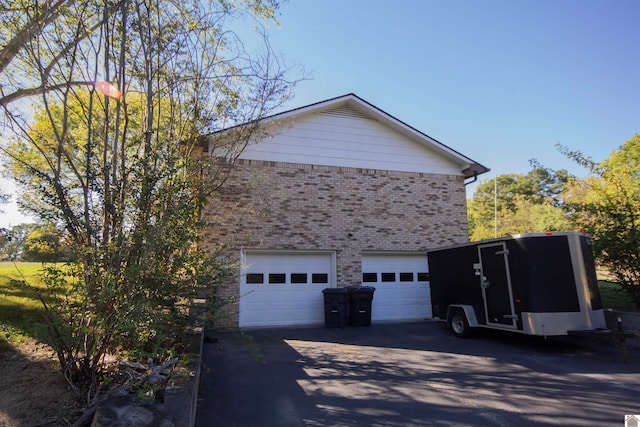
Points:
x=607, y=206
x=522, y=204
x=12, y=241
x=122, y=93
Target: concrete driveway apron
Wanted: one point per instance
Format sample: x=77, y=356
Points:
x=412, y=374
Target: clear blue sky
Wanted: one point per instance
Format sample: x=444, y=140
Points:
x=500, y=81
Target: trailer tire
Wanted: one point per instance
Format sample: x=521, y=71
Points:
x=459, y=325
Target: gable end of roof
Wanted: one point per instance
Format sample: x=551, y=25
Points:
x=351, y=105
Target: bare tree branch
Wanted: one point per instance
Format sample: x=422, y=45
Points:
x=27, y=92
x=30, y=31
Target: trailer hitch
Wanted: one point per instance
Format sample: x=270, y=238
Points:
x=618, y=338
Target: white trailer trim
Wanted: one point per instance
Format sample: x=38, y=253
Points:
x=549, y=324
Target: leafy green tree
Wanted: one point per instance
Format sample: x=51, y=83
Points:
x=530, y=217
x=607, y=205
x=4, y=233
x=12, y=241
x=522, y=204
x=44, y=243
x=119, y=166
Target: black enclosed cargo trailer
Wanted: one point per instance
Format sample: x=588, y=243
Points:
x=538, y=284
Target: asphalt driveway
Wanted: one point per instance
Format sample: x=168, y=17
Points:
x=412, y=375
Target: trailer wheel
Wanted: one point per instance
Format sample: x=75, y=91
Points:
x=459, y=325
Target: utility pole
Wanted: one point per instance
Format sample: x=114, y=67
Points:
x=495, y=206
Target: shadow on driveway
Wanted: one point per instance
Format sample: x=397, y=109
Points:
x=412, y=374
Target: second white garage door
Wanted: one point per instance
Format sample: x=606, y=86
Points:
x=402, y=286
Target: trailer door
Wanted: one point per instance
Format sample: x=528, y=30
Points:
x=495, y=281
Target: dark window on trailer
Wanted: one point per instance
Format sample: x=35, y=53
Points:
x=369, y=277
x=543, y=269
x=255, y=278
x=298, y=277
x=406, y=277
x=388, y=277
x=277, y=278
x=319, y=278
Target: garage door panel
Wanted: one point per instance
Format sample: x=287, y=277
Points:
x=304, y=297
x=253, y=317
x=296, y=314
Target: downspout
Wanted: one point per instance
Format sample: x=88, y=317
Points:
x=474, y=178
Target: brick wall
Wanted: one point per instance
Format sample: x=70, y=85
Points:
x=270, y=205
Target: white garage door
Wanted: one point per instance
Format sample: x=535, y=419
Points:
x=402, y=286
x=280, y=289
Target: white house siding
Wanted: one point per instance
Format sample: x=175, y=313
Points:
x=346, y=138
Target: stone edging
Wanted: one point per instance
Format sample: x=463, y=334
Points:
x=181, y=399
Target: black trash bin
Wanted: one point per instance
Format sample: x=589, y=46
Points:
x=335, y=307
x=360, y=299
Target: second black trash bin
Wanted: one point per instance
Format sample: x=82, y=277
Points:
x=335, y=307
x=360, y=300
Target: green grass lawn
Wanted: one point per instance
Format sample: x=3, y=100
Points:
x=20, y=308
x=614, y=297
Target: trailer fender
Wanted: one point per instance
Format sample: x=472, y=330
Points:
x=469, y=312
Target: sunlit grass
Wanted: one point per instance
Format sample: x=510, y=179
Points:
x=20, y=308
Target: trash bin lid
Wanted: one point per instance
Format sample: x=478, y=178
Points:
x=364, y=289
x=334, y=290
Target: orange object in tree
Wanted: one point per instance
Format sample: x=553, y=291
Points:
x=108, y=89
